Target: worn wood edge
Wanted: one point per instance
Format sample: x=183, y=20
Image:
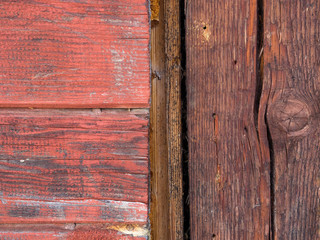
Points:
x=165, y=138
x=53, y=105
x=159, y=209
x=174, y=117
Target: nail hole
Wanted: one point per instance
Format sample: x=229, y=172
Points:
x=235, y=62
x=213, y=236
x=213, y=115
x=205, y=27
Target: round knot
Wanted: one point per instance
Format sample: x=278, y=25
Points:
x=292, y=116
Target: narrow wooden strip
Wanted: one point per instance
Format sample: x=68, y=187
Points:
x=291, y=73
x=160, y=196
x=159, y=205
x=73, y=231
x=34, y=211
x=228, y=147
x=71, y=54
x=173, y=80
x=46, y=167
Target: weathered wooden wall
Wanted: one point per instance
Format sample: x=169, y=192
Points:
x=253, y=118
x=66, y=173
x=291, y=92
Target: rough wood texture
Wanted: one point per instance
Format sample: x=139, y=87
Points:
x=292, y=86
x=74, y=54
x=228, y=147
x=83, y=210
x=159, y=209
x=72, y=165
x=71, y=232
x=173, y=81
x=165, y=144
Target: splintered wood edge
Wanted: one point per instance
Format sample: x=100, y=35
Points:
x=165, y=139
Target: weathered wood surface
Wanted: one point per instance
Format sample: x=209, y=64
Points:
x=74, y=54
x=228, y=147
x=159, y=185
x=292, y=86
x=72, y=232
x=73, y=165
x=166, y=210
x=173, y=113
x=83, y=210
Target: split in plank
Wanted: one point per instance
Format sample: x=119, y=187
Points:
x=292, y=92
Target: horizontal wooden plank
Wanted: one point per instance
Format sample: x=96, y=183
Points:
x=72, y=232
x=119, y=186
x=73, y=165
x=71, y=134
x=34, y=211
x=74, y=54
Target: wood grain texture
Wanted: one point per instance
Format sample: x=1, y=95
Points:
x=173, y=113
x=159, y=209
x=83, y=210
x=73, y=165
x=74, y=54
x=68, y=232
x=292, y=86
x=228, y=145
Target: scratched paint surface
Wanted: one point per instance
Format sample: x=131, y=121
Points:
x=66, y=231
x=73, y=165
x=74, y=54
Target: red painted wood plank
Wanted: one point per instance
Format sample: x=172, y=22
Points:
x=77, y=135
x=89, y=210
x=73, y=165
x=76, y=54
x=71, y=232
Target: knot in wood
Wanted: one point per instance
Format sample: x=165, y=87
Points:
x=292, y=116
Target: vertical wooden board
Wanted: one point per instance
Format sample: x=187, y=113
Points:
x=291, y=72
x=73, y=165
x=159, y=185
x=228, y=147
x=66, y=54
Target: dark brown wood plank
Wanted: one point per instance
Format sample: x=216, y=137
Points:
x=291, y=83
x=228, y=147
x=74, y=54
x=73, y=165
x=165, y=139
x=159, y=184
x=173, y=113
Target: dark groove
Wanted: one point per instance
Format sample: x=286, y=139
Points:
x=259, y=57
x=272, y=174
x=259, y=86
x=184, y=134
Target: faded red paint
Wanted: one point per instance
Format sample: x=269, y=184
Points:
x=74, y=54
x=60, y=157
x=62, y=232
x=99, y=234
x=60, y=167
